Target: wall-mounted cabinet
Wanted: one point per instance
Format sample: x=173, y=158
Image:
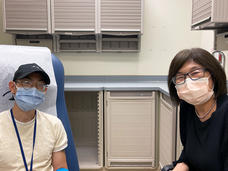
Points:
x=73, y=16
x=119, y=42
x=77, y=43
x=121, y=25
x=70, y=20
x=45, y=40
x=26, y=16
x=121, y=15
x=209, y=14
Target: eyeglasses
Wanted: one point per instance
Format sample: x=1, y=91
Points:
x=193, y=75
x=41, y=86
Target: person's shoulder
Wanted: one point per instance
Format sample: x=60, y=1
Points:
x=4, y=113
x=222, y=107
x=222, y=102
x=48, y=118
x=5, y=118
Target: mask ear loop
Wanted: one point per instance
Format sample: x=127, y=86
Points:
x=12, y=97
x=6, y=93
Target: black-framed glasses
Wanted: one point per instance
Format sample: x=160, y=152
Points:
x=40, y=85
x=193, y=75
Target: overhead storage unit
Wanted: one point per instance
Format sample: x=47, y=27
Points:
x=209, y=14
x=121, y=25
x=119, y=42
x=76, y=43
x=121, y=15
x=73, y=15
x=79, y=25
x=27, y=16
x=45, y=40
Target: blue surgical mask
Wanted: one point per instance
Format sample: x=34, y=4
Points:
x=28, y=99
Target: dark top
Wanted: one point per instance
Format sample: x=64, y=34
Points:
x=205, y=143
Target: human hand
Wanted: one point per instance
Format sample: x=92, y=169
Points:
x=181, y=167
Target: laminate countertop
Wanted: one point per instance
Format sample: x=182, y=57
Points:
x=116, y=83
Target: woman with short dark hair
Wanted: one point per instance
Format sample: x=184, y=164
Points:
x=197, y=82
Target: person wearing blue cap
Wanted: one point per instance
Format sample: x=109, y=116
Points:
x=31, y=139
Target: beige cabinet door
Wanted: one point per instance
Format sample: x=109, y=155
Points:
x=201, y=10
x=209, y=14
x=119, y=15
x=167, y=131
x=73, y=15
x=129, y=129
x=27, y=16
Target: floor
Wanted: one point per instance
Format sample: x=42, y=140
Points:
x=87, y=156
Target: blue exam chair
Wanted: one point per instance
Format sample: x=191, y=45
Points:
x=11, y=57
x=71, y=155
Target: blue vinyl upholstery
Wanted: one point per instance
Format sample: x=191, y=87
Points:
x=62, y=114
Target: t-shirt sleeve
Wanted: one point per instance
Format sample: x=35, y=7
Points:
x=61, y=137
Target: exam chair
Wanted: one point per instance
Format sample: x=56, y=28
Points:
x=70, y=151
x=11, y=57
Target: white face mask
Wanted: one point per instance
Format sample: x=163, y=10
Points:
x=195, y=92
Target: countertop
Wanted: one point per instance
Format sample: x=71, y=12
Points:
x=116, y=83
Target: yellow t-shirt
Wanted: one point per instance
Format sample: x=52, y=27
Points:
x=50, y=137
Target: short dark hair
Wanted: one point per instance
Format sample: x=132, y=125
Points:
x=203, y=58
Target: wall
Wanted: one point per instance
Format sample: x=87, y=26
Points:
x=166, y=31
x=4, y=37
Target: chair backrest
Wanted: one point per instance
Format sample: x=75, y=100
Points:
x=11, y=57
x=72, y=160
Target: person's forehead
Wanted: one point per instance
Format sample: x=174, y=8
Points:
x=35, y=76
x=189, y=66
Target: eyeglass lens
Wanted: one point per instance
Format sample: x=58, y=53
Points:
x=194, y=75
x=29, y=84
